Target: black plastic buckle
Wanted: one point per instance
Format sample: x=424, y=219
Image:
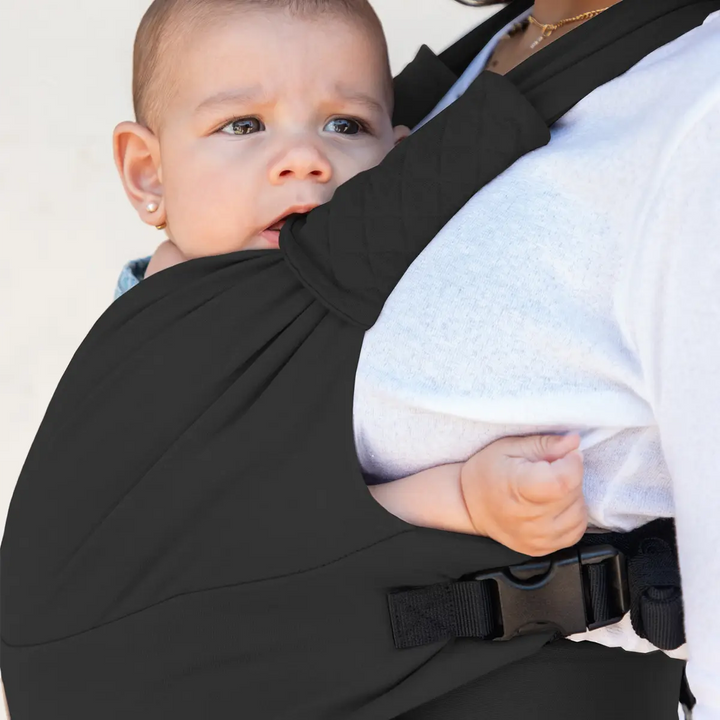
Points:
x=550, y=592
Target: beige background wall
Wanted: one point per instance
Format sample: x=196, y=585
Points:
x=65, y=226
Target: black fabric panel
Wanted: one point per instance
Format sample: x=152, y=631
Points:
x=568, y=681
x=309, y=646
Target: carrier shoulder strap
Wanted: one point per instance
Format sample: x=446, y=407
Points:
x=352, y=251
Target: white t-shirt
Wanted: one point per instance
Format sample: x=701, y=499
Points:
x=580, y=290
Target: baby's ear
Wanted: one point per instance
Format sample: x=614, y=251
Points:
x=137, y=157
x=400, y=132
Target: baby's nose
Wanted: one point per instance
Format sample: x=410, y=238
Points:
x=301, y=163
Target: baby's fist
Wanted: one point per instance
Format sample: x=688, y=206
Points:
x=527, y=493
x=548, y=468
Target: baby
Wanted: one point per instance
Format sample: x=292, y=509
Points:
x=251, y=110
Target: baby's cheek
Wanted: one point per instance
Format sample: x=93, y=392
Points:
x=363, y=159
x=209, y=218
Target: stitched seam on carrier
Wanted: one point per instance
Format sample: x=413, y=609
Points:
x=213, y=589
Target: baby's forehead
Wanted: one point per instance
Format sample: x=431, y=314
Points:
x=170, y=28
x=254, y=58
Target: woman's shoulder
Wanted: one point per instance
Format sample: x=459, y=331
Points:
x=701, y=41
x=669, y=92
x=688, y=66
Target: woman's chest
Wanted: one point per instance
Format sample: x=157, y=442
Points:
x=513, y=318
x=522, y=293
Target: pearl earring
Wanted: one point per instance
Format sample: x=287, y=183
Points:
x=153, y=207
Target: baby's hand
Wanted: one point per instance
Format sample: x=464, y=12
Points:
x=167, y=255
x=526, y=492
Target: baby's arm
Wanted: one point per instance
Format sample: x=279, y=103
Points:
x=431, y=498
x=523, y=492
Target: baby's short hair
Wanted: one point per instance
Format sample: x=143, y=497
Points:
x=165, y=20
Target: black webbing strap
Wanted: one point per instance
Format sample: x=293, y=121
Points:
x=653, y=576
x=461, y=609
x=586, y=587
x=686, y=695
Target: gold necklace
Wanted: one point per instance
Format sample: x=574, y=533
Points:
x=549, y=28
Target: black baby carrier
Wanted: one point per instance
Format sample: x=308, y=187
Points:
x=192, y=536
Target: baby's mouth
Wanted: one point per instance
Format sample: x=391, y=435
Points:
x=295, y=209
x=272, y=233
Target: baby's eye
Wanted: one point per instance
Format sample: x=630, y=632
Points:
x=346, y=126
x=244, y=126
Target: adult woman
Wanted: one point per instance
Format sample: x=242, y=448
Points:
x=591, y=278
x=550, y=694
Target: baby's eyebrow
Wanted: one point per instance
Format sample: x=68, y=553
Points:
x=255, y=95
x=359, y=97
x=238, y=95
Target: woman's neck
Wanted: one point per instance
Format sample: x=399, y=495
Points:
x=521, y=44
x=552, y=11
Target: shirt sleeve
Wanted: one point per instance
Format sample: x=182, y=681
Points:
x=673, y=301
x=352, y=251
x=131, y=275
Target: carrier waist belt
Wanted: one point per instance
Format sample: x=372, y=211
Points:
x=571, y=591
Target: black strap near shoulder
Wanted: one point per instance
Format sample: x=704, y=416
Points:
x=351, y=252
x=424, y=81
x=602, y=49
x=567, y=69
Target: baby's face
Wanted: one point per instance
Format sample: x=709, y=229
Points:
x=271, y=114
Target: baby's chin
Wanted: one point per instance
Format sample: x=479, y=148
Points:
x=268, y=240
